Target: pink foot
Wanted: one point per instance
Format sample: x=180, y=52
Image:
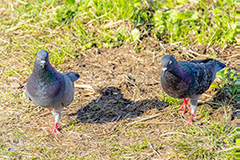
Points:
x=184, y=105
x=190, y=120
x=55, y=129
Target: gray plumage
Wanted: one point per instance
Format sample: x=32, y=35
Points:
x=48, y=88
x=188, y=79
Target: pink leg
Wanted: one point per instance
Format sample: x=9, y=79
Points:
x=184, y=105
x=55, y=129
x=190, y=120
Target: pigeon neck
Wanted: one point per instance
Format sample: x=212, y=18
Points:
x=173, y=67
x=178, y=70
x=47, y=72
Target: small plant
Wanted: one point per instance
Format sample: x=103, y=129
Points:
x=227, y=76
x=138, y=147
x=131, y=133
x=227, y=86
x=71, y=124
x=170, y=99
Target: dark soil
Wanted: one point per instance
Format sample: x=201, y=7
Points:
x=124, y=108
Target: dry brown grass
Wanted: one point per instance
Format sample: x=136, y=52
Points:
x=118, y=111
x=122, y=116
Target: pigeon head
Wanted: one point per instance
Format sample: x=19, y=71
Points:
x=42, y=58
x=168, y=62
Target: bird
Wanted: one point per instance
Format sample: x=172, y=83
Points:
x=188, y=79
x=50, y=89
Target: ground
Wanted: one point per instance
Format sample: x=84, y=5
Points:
x=119, y=110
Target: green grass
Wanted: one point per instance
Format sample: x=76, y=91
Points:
x=169, y=99
x=203, y=142
x=229, y=78
x=66, y=28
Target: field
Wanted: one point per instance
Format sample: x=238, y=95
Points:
x=119, y=110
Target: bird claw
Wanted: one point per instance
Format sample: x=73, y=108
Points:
x=186, y=123
x=54, y=130
x=190, y=120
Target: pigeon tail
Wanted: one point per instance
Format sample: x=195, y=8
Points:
x=219, y=65
x=73, y=76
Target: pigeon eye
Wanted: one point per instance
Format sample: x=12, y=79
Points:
x=170, y=62
x=37, y=57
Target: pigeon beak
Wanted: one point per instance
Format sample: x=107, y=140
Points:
x=164, y=70
x=42, y=63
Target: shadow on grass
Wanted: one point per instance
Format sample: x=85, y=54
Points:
x=111, y=106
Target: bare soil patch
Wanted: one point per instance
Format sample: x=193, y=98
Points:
x=124, y=109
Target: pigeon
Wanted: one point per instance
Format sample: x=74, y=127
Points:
x=50, y=89
x=188, y=79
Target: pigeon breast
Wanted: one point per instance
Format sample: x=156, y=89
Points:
x=45, y=89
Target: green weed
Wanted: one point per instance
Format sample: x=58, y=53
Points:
x=138, y=147
x=203, y=142
x=229, y=77
x=170, y=99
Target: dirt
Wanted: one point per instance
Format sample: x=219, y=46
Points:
x=124, y=108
